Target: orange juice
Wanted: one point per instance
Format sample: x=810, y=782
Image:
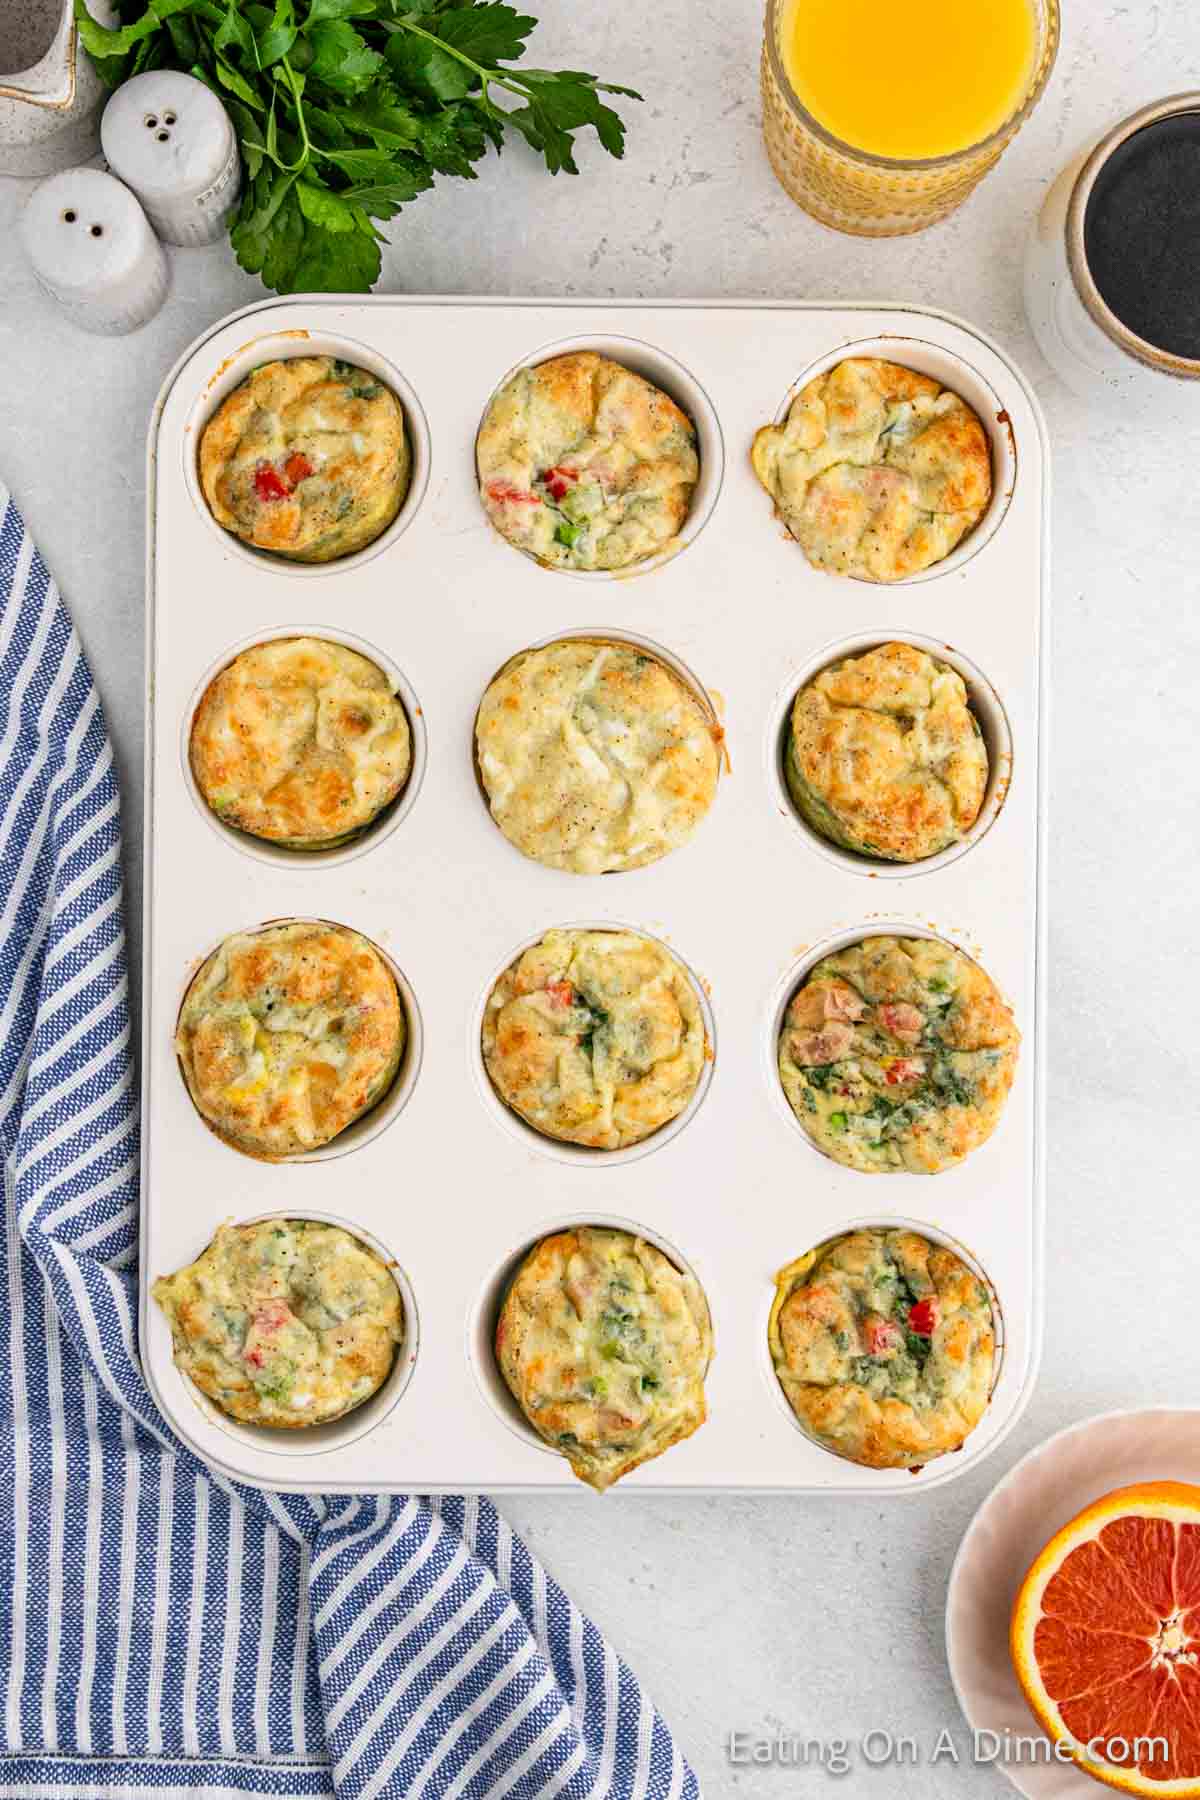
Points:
x=910, y=79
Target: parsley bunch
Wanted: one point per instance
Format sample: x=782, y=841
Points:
x=347, y=109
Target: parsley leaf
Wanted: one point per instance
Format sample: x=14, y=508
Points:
x=347, y=110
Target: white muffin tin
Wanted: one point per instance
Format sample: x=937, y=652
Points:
x=448, y=1182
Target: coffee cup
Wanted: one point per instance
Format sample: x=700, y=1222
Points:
x=1110, y=285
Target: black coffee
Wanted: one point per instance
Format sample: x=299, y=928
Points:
x=1142, y=234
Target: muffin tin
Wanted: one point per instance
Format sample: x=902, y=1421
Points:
x=450, y=1185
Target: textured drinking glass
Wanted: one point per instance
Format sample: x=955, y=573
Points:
x=880, y=196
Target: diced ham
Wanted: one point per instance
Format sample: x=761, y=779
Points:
x=825, y=1000
x=561, y=994
x=830, y=1044
x=843, y=1002
x=902, y=1021
x=881, y=1335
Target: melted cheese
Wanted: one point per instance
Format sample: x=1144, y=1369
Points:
x=595, y=756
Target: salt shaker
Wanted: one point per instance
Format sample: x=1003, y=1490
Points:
x=92, y=248
x=170, y=139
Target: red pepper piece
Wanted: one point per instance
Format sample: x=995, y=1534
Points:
x=561, y=993
x=269, y=484
x=296, y=469
x=923, y=1317
x=505, y=491
x=558, y=481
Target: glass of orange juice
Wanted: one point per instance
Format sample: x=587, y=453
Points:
x=880, y=116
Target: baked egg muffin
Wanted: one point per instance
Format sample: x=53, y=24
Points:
x=300, y=741
x=585, y=465
x=605, y=1344
x=595, y=756
x=898, y=1053
x=884, y=1345
x=308, y=459
x=877, y=471
x=287, y=1322
x=288, y=1034
x=884, y=755
x=595, y=1037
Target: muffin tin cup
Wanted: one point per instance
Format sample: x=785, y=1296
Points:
x=377, y=829
x=313, y=1440
x=580, y=1155
x=482, y=1319
x=382, y=1112
x=936, y=1234
x=961, y=377
x=279, y=346
x=442, y=1172
x=984, y=702
x=781, y=998
x=600, y=634
x=677, y=383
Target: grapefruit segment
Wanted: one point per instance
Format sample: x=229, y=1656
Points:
x=1106, y=1639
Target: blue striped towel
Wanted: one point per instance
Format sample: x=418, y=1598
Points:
x=165, y=1629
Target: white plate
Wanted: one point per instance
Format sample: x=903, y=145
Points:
x=1018, y=1518
x=453, y=1188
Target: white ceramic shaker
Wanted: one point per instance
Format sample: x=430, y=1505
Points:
x=169, y=138
x=92, y=248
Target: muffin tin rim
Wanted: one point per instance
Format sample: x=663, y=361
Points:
x=286, y=346
x=1000, y=766
x=705, y=419
x=376, y=830
x=558, y=1149
x=383, y=1112
x=484, y=1313
x=703, y=325
x=348, y=1427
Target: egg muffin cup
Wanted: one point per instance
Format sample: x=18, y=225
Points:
x=216, y=1037
x=656, y=1388
x=684, y=515
x=654, y=702
x=283, y=346
x=985, y=706
x=280, y=1437
x=524, y=1024
x=341, y=847
x=884, y=1344
x=928, y=362
x=892, y=1051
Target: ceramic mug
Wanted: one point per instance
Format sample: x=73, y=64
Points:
x=1081, y=338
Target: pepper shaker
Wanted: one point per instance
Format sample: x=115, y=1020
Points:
x=92, y=249
x=169, y=138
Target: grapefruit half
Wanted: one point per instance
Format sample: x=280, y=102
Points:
x=1106, y=1639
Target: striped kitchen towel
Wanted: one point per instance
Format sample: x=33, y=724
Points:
x=165, y=1630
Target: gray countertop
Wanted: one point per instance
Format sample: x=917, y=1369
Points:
x=823, y=1617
